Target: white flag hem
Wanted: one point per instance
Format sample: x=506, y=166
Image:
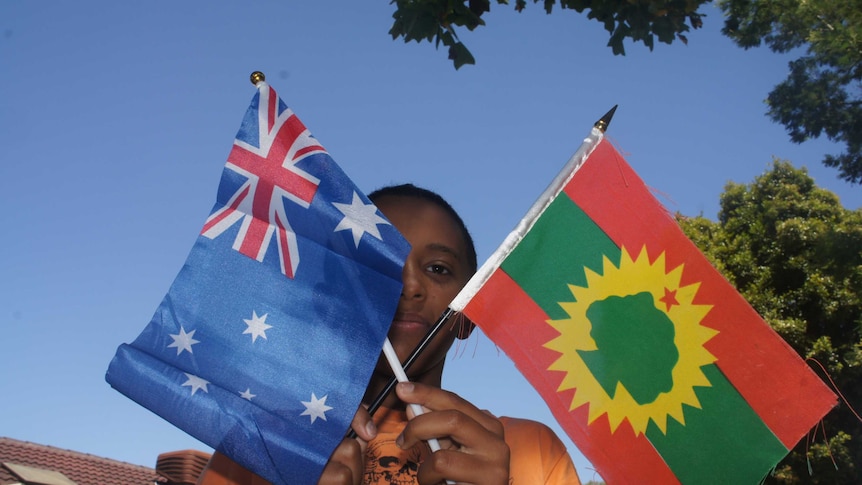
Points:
x=536, y=210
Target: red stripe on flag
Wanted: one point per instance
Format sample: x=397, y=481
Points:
x=310, y=148
x=765, y=370
x=226, y=211
x=284, y=247
x=272, y=99
x=271, y=172
x=255, y=238
x=520, y=328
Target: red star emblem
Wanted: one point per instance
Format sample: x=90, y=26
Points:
x=669, y=298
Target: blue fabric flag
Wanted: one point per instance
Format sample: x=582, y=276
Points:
x=265, y=342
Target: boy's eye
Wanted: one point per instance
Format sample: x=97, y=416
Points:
x=438, y=269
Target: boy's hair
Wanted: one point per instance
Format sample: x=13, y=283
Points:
x=410, y=190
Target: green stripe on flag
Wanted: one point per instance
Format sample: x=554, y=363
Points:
x=724, y=441
x=554, y=253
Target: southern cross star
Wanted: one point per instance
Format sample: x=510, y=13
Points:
x=316, y=408
x=247, y=395
x=183, y=341
x=196, y=383
x=359, y=218
x=257, y=326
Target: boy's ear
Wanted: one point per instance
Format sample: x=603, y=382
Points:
x=464, y=326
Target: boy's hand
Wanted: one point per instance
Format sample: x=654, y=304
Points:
x=471, y=440
x=347, y=463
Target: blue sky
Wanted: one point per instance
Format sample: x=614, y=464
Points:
x=116, y=119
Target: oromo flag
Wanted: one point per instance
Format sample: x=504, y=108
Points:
x=655, y=366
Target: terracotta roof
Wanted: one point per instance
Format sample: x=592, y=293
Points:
x=81, y=468
x=182, y=467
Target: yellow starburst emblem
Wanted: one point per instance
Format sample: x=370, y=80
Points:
x=633, y=345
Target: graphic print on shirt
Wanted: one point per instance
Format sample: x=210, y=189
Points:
x=386, y=463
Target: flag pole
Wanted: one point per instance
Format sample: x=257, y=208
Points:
x=472, y=286
x=435, y=329
x=381, y=396
x=401, y=376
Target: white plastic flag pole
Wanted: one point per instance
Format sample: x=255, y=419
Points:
x=401, y=376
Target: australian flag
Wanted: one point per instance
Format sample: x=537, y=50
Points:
x=265, y=342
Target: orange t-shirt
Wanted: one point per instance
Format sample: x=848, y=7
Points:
x=537, y=456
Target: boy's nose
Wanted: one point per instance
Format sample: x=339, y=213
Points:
x=412, y=282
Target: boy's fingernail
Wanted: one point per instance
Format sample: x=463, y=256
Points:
x=371, y=429
x=399, y=441
x=406, y=386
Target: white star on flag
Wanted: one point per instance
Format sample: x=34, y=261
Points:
x=257, y=326
x=196, y=383
x=247, y=395
x=316, y=408
x=359, y=218
x=183, y=341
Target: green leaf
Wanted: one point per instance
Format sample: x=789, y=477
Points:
x=459, y=55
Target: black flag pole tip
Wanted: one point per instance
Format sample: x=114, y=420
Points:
x=605, y=120
x=257, y=77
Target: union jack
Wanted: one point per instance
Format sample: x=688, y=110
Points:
x=266, y=151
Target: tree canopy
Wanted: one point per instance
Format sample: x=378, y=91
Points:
x=642, y=21
x=795, y=254
x=822, y=94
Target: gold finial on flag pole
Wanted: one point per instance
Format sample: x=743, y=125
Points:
x=257, y=77
x=603, y=123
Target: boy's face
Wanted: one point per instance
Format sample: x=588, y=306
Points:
x=435, y=271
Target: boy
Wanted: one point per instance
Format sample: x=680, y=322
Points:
x=476, y=447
